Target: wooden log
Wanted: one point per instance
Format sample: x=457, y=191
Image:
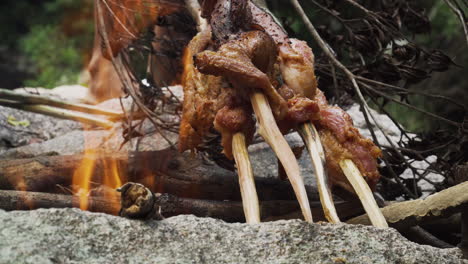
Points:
x=163, y=171
x=406, y=214
x=19, y=200
x=170, y=205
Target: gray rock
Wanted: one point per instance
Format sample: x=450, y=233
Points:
x=75, y=142
x=383, y=121
x=74, y=236
x=48, y=135
x=70, y=143
x=40, y=128
x=264, y=161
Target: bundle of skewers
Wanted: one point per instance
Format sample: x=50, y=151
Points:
x=242, y=63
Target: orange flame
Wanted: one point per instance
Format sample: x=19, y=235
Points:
x=82, y=177
x=96, y=170
x=111, y=174
x=98, y=174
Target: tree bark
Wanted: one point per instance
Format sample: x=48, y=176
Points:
x=19, y=200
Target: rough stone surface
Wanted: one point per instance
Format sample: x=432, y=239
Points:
x=75, y=142
x=264, y=161
x=73, y=236
x=38, y=128
x=383, y=121
x=47, y=135
x=41, y=128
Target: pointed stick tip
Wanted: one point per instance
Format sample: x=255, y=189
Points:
x=270, y=132
x=311, y=139
x=246, y=179
x=364, y=193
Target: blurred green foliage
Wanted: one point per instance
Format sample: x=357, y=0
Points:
x=413, y=121
x=56, y=59
x=54, y=36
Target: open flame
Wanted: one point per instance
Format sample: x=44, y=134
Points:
x=112, y=177
x=83, y=175
x=97, y=175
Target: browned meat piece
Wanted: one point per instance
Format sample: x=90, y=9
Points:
x=297, y=68
x=248, y=63
x=263, y=20
x=300, y=110
x=242, y=64
x=210, y=102
x=232, y=119
x=341, y=140
x=295, y=56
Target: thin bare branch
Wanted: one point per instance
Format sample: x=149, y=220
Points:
x=124, y=75
x=59, y=113
x=460, y=16
x=37, y=99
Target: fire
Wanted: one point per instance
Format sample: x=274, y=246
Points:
x=82, y=177
x=111, y=174
x=98, y=176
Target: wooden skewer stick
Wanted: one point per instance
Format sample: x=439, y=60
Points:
x=42, y=100
x=59, y=113
x=272, y=135
x=364, y=193
x=246, y=179
x=312, y=140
